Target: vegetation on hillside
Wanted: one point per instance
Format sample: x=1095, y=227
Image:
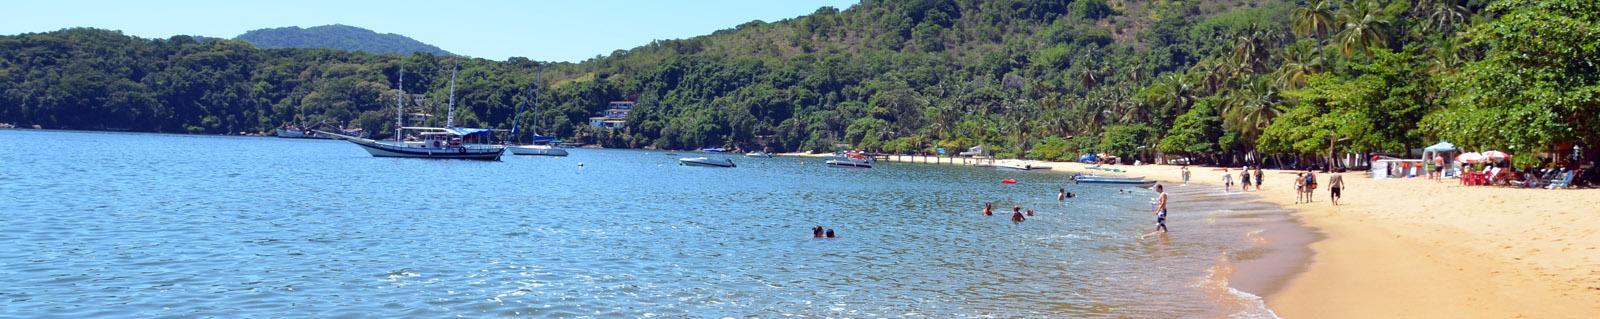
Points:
x=1042, y=79
x=339, y=37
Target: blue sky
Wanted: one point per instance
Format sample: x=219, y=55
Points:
x=540, y=30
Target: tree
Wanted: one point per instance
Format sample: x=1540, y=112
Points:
x=1194, y=132
x=1314, y=19
x=1364, y=28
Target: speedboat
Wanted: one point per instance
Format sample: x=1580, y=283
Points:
x=713, y=150
x=850, y=159
x=1114, y=180
x=703, y=161
x=758, y=154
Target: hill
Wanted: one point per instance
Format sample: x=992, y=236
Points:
x=1213, y=80
x=337, y=36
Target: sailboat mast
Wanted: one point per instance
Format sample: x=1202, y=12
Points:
x=400, y=105
x=450, y=118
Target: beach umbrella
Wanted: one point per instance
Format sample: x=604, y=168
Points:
x=1472, y=157
x=1495, y=155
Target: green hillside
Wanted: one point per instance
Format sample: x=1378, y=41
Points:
x=339, y=37
x=1038, y=79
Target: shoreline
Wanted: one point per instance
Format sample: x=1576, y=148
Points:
x=1419, y=248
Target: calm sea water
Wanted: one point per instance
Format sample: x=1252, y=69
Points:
x=145, y=225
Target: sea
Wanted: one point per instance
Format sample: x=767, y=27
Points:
x=136, y=225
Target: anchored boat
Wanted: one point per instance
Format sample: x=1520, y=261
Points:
x=850, y=159
x=447, y=142
x=702, y=161
x=1114, y=180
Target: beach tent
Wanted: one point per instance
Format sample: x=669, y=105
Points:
x=1441, y=149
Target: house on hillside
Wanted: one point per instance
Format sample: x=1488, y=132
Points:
x=615, y=115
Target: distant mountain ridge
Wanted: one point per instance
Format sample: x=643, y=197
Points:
x=339, y=37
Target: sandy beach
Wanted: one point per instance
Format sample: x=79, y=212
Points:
x=1417, y=248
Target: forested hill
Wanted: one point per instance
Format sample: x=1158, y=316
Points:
x=337, y=36
x=1039, y=79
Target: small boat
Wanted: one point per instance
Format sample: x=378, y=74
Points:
x=702, y=161
x=850, y=159
x=537, y=149
x=758, y=154
x=1008, y=181
x=1115, y=180
x=1022, y=167
x=713, y=150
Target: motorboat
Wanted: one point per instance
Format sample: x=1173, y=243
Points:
x=713, y=150
x=1115, y=180
x=708, y=162
x=758, y=154
x=850, y=159
x=446, y=142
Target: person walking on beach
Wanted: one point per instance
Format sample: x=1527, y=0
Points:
x=1244, y=179
x=1438, y=167
x=1335, y=184
x=1311, y=185
x=1258, y=178
x=1161, y=209
x=1185, y=170
x=1299, y=187
x=1227, y=180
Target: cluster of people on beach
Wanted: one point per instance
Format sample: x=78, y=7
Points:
x=1245, y=180
x=1305, y=186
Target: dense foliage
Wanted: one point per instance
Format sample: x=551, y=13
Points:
x=1043, y=79
x=337, y=36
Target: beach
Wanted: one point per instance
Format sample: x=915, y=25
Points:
x=1420, y=248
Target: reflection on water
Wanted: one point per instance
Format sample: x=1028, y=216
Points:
x=139, y=225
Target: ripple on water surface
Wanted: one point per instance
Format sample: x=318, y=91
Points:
x=141, y=225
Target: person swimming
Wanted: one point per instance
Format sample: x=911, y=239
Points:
x=988, y=209
x=816, y=232
x=1061, y=195
x=830, y=233
x=1030, y=212
x=1016, y=214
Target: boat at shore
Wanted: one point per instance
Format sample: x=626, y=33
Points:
x=1113, y=180
x=758, y=154
x=850, y=159
x=542, y=145
x=708, y=162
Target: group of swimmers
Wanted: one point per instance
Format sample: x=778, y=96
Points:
x=817, y=232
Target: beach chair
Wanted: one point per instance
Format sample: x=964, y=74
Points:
x=1564, y=182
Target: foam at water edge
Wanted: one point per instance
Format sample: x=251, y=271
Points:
x=1241, y=304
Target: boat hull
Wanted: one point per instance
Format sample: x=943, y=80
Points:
x=1133, y=181
x=537, y=151
x=849, y=163
x=706, y=162
x=475, y=152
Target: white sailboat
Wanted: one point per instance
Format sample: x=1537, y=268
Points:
x=447, y=142
x=541, y=145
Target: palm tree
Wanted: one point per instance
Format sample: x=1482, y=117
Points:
x=1299, y=63
x=1251, y=108
x=1363, y=29
x=1440, y=15
x=1314, y=19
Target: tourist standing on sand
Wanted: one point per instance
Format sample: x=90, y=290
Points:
x=1258, y=178
x=1439, y=167
x=1299, y=187
x=1227, y=180
x=1185, y=170
x=1311, y=185
x=1161, y=209
x=1335, y=184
